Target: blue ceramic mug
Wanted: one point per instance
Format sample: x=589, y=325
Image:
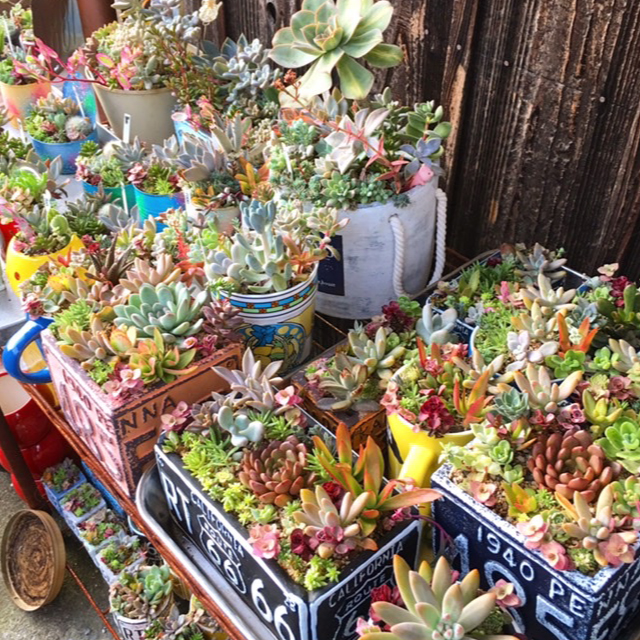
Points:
x=19, y=341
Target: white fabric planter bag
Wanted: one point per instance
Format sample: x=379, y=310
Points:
x=386, y=252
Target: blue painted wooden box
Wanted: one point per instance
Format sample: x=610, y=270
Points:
x=557, y=605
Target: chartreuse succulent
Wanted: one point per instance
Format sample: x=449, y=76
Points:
x=435, y=607
x=332, y=35
x=627, y=497
x=168, y=308
x=621, y=442
x=601, y=413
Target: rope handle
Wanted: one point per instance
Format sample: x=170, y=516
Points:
x=399, y=245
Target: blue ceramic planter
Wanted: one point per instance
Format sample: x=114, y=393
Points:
x=68, y=151
x=152, y=206
x=115, y=193
x=557, y=605
x=181, y=128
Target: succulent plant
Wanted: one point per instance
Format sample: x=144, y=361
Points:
x=626, y=494
x=512, y=404
x=159, y=361
x=77, y=128
x=374, y=354
x=143, y=272
x=542, y=393
x=621, y=442
x=141, y=594
x=435, y=606
x=435, y=328
x=168, y=308
x=242, y=428
x=333, y=531
x=328, y=35
x=624, y=356
x=538, y=261
x=535, y=323
x=345, y=383
x=569, y=464
x=89, y=346
x=600, y=532
x=519, y=345
x=550, y=300
x=222, y=319
x=277, y=472
x=252, y=386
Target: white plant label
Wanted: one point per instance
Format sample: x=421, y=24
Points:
x=126, y=128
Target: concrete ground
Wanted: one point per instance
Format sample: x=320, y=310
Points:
x=69, y=616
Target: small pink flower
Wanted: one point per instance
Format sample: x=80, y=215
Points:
x=190, y=342
x=287, y=397
x=484, y=492
x=556, y=555
x=535, y=531
x=265, y=539
x=505, y=594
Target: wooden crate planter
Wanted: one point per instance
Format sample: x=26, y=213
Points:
x=361, y=424
x=121, y=434
x=286, y=608
x=557, y=605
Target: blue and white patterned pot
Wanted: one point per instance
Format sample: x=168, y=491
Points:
x=557, y=605
x=68, y=151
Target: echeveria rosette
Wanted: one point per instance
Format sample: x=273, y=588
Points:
x=327, y=35
x=621, y=442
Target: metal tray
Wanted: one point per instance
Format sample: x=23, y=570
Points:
x=153, y=509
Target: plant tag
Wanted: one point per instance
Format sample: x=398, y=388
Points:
x=188, y=203
x=46, y=197
x=21, y=132
x=7, y=36
x=75, y=93
x=126, y=128
x=125, y=204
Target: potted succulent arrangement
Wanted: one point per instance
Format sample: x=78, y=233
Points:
x=56, y=127
x=430, y=603
x=60, y=479
x=300, y=524
x=107, y=168
x=120, y=555
x=237, y=79
x=19, y=87
x=129, y=63
x=81, y=503
x=128, y=331
x=13, y=23
x=545, y=493
x=156, y=180
x=139, y=597
x=347, y=383
x=100, y=530
x=268, y=270
x=373, y=159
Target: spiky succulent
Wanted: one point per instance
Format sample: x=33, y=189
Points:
x=345, y=382
x=333, y=531
x=570, y=464
x=375, y=354
x=158, y=361
x=539, y=260
x=434, y=327
x=277, y=472
x=328, y=35
x=435, y=607
x=169, y=308
x=621, y=442
x=600, y=532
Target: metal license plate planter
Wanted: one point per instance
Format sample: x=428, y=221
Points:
x=122, y=435
x=557, y=605
x=286, y=608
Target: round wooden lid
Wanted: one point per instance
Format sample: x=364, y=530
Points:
x=33, y=559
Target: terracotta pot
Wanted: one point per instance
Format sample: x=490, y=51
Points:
x=150, y=112
x=18, y=98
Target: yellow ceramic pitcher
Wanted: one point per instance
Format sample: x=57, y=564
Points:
x=418, y=452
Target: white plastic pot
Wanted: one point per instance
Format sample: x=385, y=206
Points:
x=386, y=252
x=134, y=629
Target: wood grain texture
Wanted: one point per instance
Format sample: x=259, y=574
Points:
x=543, y=97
